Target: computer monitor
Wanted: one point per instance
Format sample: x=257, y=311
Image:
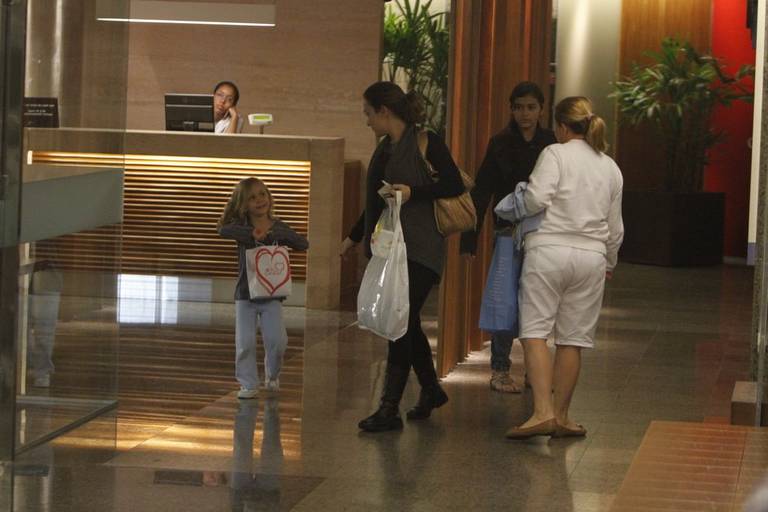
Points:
x=189, y=112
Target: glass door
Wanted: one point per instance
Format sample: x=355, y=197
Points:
x=63, y=78
x=12, y=30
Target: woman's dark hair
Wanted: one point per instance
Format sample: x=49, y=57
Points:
x=408, y=107
x=526, y=89
x=232, y=85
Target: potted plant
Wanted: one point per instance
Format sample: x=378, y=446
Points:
x=416, y=52
x=676, y=95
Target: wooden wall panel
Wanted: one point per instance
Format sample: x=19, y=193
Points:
x=351, y=267
x=496, y=44
x=644, y=23
x=171, y=206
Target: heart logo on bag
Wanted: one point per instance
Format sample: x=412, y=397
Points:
x=272, y=268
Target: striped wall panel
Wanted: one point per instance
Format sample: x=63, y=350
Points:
x=171, y=205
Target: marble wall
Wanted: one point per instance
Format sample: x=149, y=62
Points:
x=79, y=60
x=309, y=71
x=588, y=35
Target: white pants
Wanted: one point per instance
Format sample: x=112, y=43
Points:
x=248, y=316
x=561, y=289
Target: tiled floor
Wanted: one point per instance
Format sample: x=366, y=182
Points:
x=670, y=345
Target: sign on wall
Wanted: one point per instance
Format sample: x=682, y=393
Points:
x=40, y=113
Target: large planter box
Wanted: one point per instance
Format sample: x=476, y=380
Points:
x=673, y=229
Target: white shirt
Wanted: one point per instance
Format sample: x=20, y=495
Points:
x=223, y=125
x=580, y=189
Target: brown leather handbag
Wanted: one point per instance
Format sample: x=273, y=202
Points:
x=452, y=214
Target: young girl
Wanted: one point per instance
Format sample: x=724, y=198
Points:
x=249, y=220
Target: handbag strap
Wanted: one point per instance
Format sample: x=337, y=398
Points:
x=422, y=139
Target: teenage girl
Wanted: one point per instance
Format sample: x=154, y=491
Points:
x=248, y=219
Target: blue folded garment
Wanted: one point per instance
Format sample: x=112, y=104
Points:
x=512, y=208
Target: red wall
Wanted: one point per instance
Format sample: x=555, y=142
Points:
x=730, y=161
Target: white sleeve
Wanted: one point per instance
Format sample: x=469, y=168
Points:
x=615, y=228
x=544, y=181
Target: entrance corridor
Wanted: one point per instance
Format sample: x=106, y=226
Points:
x=671, y=344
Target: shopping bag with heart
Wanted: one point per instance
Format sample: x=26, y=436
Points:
x=269, y=272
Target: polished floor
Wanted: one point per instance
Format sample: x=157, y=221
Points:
x=671, y=343
x=695, y=466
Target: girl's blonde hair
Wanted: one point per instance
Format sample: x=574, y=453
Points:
x=237, y=206
x=576, y=113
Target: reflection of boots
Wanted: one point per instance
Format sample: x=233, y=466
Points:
x=430, y=397
x=387, y=417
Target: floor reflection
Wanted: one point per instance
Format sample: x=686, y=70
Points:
x=670, y=345
x=256, y=482
x=159, y=299
x=6, y=486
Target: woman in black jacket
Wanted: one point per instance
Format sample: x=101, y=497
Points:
x=394, y=116
x=509, y=159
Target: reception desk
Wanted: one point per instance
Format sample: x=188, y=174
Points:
x=176, y=186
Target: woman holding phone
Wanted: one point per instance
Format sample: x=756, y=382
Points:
x=394, y=117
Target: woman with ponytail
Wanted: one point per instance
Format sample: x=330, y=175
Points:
x=395, y=117
x=577, y=189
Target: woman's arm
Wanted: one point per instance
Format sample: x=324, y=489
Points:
x=487, y=180
x=357, y=232
x=543, y=182
x=615, y=230
x=448, y=182
x=234, y=121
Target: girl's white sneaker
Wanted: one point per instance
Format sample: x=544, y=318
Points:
x=272, y=385
x=247, y=393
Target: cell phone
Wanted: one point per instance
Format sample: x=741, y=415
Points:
x=386, y=193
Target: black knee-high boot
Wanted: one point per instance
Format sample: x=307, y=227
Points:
x=431, y=395
x=387, y=417
x=429, y=398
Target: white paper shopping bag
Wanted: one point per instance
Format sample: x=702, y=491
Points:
x=269, y=272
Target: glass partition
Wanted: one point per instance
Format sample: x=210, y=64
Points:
x=12, y=26
x=60, y=267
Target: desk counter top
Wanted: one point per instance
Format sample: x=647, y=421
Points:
x=176, y=186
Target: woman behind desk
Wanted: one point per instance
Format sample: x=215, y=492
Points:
x=225, y=98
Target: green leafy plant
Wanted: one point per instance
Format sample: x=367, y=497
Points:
x=416, y=51
x=677, y=94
